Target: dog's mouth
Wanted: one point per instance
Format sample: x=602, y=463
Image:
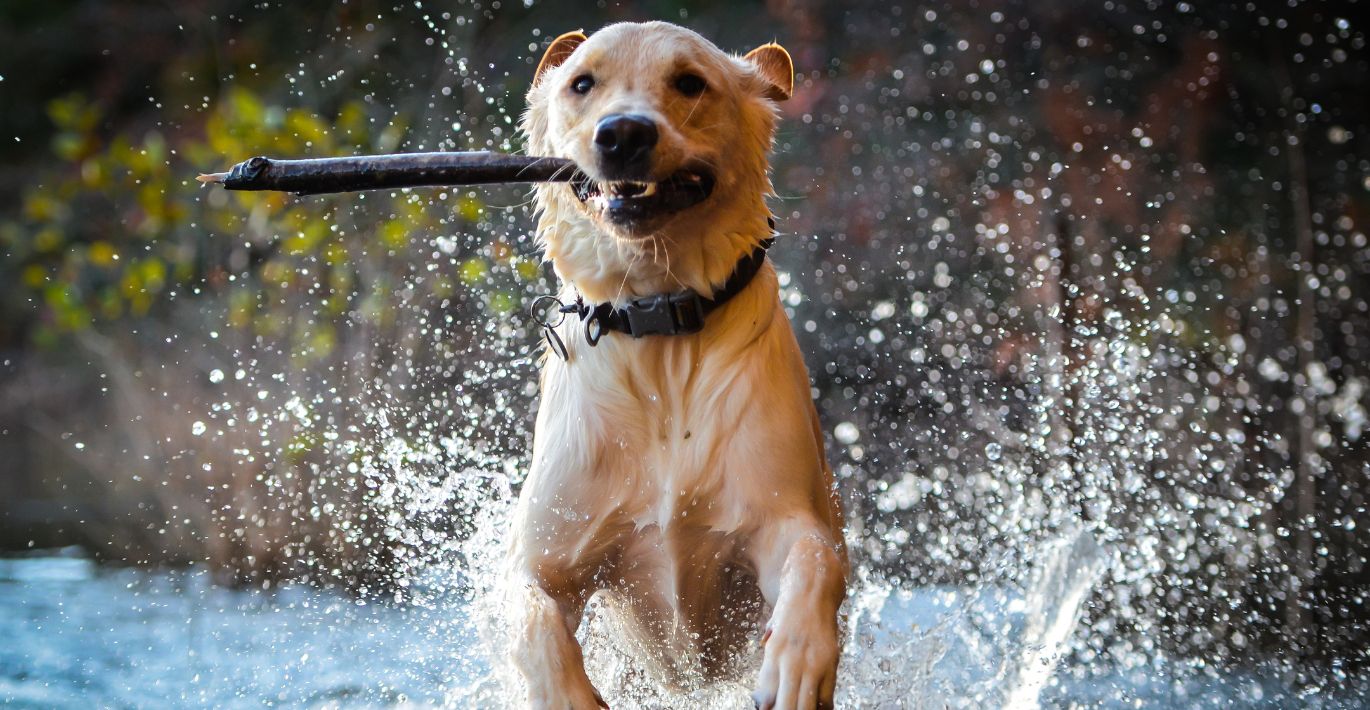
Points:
x=630, y=201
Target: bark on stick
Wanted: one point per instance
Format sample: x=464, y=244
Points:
x=377, y=172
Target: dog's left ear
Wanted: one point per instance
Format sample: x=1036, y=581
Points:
x=773, y=64
x=558, y=52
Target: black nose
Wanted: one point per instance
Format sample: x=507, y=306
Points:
x=625, y=143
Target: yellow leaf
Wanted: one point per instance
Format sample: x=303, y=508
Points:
x=335, y=254
x=48, y=239
x=35, y=276
x=473, y=271
x=101, y=253
x=244, y=105
x=39, y=207
x=470, y=208
x=527, y=269
x=153, y=272
x=502, y=302
x=395, y=233
x=307, y=128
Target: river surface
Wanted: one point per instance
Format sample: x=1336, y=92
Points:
x=77, y=635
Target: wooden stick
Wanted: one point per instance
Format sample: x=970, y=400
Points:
x=376, y=172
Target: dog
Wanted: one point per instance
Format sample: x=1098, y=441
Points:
x=678, y=463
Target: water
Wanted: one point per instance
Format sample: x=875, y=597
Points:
x=77, y=635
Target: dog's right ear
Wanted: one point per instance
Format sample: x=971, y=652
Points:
x=558, y=52
x=773, y=64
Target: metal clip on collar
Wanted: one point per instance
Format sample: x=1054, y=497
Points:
x=538, y=312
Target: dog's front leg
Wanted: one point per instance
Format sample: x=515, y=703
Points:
x=802, y=574
x=546, y=651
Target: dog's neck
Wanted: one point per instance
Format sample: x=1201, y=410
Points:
x=604, y=268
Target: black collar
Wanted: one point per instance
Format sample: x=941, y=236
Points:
x=679, y=313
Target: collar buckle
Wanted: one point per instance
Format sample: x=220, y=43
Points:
x=665, y=314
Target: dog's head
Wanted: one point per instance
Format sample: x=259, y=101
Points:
x=671, y=133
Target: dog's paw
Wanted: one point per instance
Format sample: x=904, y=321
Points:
x=798, y=668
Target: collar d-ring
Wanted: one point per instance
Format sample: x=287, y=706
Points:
x=594, y=329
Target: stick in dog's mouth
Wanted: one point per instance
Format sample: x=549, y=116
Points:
x=402, y=170
x=620, y=201
x=633, y=200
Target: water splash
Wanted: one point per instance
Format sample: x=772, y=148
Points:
x=443, y=494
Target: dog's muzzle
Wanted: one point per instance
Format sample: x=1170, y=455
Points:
x=627, y=193
x=633, y=201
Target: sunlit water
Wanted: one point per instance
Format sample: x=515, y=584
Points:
x=77, y=636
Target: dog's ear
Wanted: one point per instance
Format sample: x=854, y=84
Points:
x=773, y=64
x=558, y=52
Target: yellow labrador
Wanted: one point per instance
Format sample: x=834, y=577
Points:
x=678, y=462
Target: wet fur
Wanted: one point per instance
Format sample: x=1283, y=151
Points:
x=684, y=476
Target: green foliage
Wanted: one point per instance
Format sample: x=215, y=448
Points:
x=115, y=228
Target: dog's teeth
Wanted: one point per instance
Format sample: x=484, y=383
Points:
x=632, y=188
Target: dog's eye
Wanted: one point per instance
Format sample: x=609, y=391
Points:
x=690, y=84
x=582, y=84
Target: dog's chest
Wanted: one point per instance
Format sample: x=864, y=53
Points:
x=665, y=418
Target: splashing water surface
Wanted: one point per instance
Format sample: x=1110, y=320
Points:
x=1049, y=588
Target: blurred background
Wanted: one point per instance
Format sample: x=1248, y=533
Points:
x=1082, y=287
